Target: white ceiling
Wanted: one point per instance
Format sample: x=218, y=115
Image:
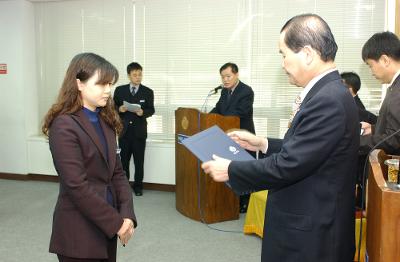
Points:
x=33, y=1
x=49, y=0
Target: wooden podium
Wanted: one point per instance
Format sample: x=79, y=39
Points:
x=383, y=212
x=197, y=195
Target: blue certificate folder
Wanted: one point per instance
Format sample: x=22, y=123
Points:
x=214, y=141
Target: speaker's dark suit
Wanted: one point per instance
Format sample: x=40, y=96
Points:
x=83, y=220
x=363, y=114
x=239, y=104
x=133, y=138
x=310, y=207
x=387, y=123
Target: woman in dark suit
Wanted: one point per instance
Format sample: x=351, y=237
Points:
x=95, y=203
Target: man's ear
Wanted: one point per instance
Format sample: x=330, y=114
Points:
x=309, y=53
x=385, y=60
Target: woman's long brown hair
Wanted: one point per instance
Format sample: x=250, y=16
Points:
x=84, y=66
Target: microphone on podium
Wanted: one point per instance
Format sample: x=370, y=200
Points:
x=210, y=93
x=215, y=90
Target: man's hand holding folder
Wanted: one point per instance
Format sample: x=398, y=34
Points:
x=249, y=141
x=213, y=141
x=217, y=168
x=217, y=149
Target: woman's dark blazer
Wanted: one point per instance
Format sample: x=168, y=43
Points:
x=83, y=220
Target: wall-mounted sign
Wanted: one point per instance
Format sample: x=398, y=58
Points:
x=3, y=69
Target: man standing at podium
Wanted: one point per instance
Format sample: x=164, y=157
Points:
x=236, y=100
x=310, y=206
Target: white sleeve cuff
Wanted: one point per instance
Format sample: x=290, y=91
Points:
x=265, y=149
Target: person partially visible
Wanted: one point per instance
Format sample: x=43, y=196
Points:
x=133, y=138
x=236, y=100
x=310, y=206
x=353, y=82
x=94, y=205
x=382, y=54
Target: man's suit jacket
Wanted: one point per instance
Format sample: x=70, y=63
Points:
x=363, y=114
x=388, y=122
x=359, y=104
x=83, y=220
x=144, y=97
x=240, y=104
x=311, y=180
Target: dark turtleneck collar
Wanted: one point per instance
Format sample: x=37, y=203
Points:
x=92, y=115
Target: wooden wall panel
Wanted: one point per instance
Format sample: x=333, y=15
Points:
x=397, y=25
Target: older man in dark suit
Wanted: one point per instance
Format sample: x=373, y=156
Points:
x=310, y=207
x=236, y=100
x=236, y=97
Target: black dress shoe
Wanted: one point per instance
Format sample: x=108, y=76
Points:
x=138, y=192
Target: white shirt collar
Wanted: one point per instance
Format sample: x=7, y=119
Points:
x=233, y=88
x=394, y=77
x=313, y=81
x=131, y=87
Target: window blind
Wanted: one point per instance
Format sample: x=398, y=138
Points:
x=181, y=45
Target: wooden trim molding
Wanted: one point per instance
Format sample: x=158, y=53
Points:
x=158, y=187
x=35, y=177
x=47, y=178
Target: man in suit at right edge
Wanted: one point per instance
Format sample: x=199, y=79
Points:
x=382, y=54
x=311, y=179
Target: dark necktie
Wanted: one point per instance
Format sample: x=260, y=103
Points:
x=134, y=91
x=229, y=94
x=295, y=109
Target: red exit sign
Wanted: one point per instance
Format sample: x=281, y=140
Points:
x=3, y=69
